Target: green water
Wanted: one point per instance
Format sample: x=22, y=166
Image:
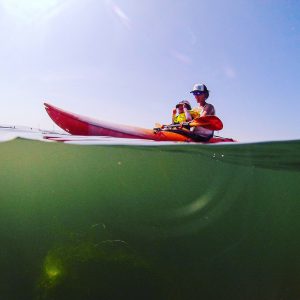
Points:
x=149, y=222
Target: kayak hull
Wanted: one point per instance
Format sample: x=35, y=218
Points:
x=76, y=124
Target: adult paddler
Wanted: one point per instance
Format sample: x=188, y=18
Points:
x=201, y=93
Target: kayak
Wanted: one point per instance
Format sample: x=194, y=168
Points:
x=76, y=124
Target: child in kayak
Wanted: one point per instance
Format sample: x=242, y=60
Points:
x=182, y=112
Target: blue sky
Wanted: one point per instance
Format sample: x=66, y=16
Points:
x=130, y=61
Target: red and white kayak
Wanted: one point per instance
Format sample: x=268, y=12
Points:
x=80, y=125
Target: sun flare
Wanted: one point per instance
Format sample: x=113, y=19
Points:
x=30, y=10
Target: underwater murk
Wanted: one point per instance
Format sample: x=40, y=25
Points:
x=149, y=221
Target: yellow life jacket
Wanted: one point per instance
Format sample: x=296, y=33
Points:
x=180, y=118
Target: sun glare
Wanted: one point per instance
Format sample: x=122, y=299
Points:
x=30, y=10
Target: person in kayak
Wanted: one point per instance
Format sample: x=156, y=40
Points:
x=181, y=113
x=201, y=93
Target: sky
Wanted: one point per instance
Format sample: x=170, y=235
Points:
x=132, y=61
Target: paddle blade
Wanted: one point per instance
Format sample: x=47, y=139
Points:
x=209, y=122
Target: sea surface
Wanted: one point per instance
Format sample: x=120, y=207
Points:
x=101, y=218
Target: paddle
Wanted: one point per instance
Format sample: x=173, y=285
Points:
x=209, y=122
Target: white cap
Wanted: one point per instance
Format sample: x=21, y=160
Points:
x=200, y=87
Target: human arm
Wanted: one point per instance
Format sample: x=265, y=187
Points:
x=208, y=110
x=188, y=116
x=174, y=112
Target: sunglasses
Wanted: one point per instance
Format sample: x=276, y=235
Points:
x=197, y=93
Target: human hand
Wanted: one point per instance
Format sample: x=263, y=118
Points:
x=174, y=111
